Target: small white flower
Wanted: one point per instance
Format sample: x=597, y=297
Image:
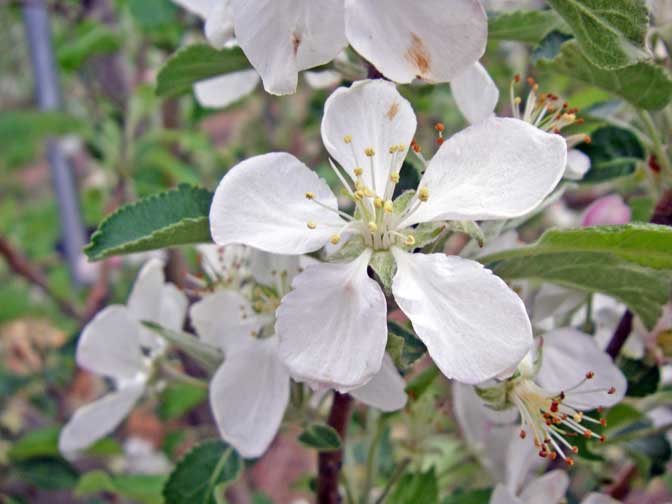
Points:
x=117, y=346
x=430, y=40
x=332, y=326
x=250, y=391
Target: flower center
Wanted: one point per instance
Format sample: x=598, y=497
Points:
x=551, y=421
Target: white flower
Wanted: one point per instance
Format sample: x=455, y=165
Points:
x=332, y=326
x=433, y=40
x=476, y=95
x=117, y=346
x=250, y=391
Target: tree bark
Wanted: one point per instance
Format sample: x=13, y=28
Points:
x=329, y=463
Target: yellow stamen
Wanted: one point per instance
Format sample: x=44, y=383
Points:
x=423, y=194
x=310, y=195
x=335, y=239
x=358, y=172
x=410, y=240
x=369, y=152
x=311, y=225
x=394, y=177
x=373, y=227
x=347, y=139
x=388, y=206
x=378, y=202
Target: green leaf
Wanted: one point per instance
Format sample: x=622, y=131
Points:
x=624, y=262
x=320, y=437
x=195, y=63
x=91, y=39
x=38, y=443
x=643, y=378
x=644, y=84
x=419, y=488
x=153, y=14
x=48, y=473
x=524, y=26
x=206, y=467
x=613, y=152
x=178, y=399
x=175, y=217
x=385, y=267
x=642, y=208
x=612, y=33
x=141, y=488
x=420, y=383
x=480, y=496
x=403, y=345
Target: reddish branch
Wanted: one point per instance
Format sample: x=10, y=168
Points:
x=329, y=463
x=663, y=216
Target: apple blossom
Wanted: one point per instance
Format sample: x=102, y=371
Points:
x=332, y=326
x=117, y=346
x=250, y=391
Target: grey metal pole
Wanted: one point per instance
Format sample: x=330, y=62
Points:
x=48, y=91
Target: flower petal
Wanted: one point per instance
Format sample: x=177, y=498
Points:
x=173, y=307
x=219, y=24
x=372, y=114
x=223, y=90
x=385, y=391
x=521, y=459
x=274, y=270
x=606, y=211
x=503, y=495
x=144, y=301
x=97, y=419
x=474, y=326
x=226, y=319
x=475, y=93
x=497, y=169
x=551, y=487
x=248, y=396
x=110, y=345
x=333, y=325
x=431, y=40
x=262, y=203
x=567, y=356
x=323, y=79
x=283, y=37
x=578, y=164
x=598, y=498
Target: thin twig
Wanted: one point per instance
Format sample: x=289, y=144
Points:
x=329, y=463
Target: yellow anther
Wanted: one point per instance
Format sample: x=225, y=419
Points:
x=311, y=225
x=369, y=152
x=393, y=149
x=378, y=202
x=368, y=192
x=517, y=100
x=373, y=227
x=394, y=177
x=578, y=418
x=388, y=206
x=335, y=239
x=359, y=195
x=401, y=148
x=310, y=195
x=423, y=194
x=358, y=172
x=347, y=139
x=410, y=240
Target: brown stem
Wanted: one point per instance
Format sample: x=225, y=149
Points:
x=663, y=216
x=329, y=463
x=20, y=265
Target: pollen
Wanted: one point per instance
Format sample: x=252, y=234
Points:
x=423, y=194
x=388, y=206
x=310, y=195
x=359, y=195
x=394, y=177
x=335, y=239
x=392, y=149
x=373, y=227
x=311, y=225
x=358, y=172
x=439, y=127
x=347, y=139
x=378, y=202
x=370, y=152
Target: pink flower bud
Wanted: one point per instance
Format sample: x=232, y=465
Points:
x=606, y=211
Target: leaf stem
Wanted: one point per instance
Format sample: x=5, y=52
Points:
x=398, y=473
x=371, y=458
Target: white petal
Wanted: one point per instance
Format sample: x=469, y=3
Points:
x=385, y=391
x=521, y=460
x=223, y=90
x=497, y=169
x=333, y=325
x=226, y=319
x=97, y=419
x=110, y=345
x=262, y=203
x=578, y=164
x=503, y=495
x=199, y=7
x=475, y=93
x=248, y=397
x=432, y=40
x=144, y=302
x=222, y=263
x=550, y=488
x=474, y=326
x=219, y=24
x=282, y=37
x=568, y=355
x=598, y=498
x=274, y=270
x=555, y=301
x=374, y=115
x=173, y=307
x=323, y=79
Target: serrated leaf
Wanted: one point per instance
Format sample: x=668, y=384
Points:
x=195, y=63
x=524, y=26
x=320, y=437
x=204, y=468
x=644, y=84
x=612, y=33
x=403, y=345
x=613, y=152
x=175, y=217
x=631, y=263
